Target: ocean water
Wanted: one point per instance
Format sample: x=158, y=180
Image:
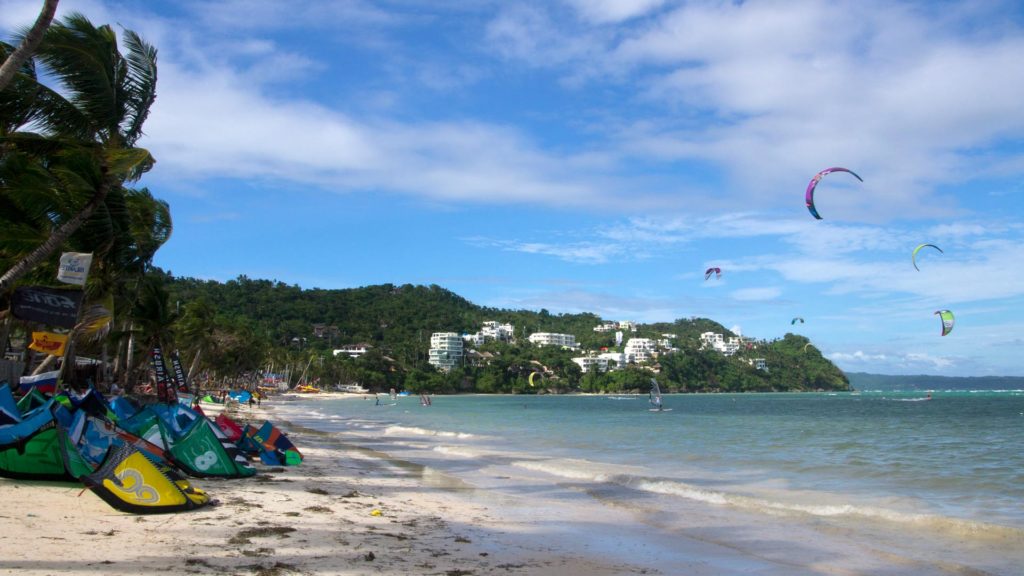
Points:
x=871, y=482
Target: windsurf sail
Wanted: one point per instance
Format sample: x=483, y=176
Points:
x=655, y=394
x=424, y=399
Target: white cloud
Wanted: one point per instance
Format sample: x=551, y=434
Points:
x=610, y=11
x=757, y=294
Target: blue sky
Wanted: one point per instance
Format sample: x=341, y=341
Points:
x=599, y=155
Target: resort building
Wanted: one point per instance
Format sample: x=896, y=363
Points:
x=616, y=360
x=718, y=343
x=553, y=339
x=620, y=325
x=592, y=363
x=495, y=331
x=640, y=350
x=445, y=350
x=758, y=363
x=491, y=330
x=352, y=350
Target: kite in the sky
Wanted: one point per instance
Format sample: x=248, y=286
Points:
x=713, y=270
x=797, y=319
x=947, y=321
x=814, y=182
x=913, y=255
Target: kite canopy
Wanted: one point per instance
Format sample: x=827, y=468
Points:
x=814, y=183
x=913, y=255
x=797, y=319
x=947, y=321
x=532, y=375
x=713, y=270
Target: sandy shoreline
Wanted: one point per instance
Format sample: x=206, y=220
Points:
x=317, y=518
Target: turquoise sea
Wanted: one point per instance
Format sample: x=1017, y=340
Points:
x=856, y=482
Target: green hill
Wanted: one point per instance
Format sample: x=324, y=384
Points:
x=295, y=326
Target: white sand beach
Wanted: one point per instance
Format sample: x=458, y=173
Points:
x=340, y=512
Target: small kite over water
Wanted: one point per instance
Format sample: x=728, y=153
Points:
x=814, y=183
x=713, y=270
x=947, y=321
x=913, y=255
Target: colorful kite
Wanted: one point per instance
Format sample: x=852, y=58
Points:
x=713, y=270
x=913, y=255
x=814, y=182
x=947, y=321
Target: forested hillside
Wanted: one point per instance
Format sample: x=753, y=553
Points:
x=261, y=324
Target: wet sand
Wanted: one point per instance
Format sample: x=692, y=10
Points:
x=343, y=511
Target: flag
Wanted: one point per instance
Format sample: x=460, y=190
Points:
x=51, y=306
x=74, y=267
x=49, y=343
x=165, y=391
x=45, y=382
x=179, y=373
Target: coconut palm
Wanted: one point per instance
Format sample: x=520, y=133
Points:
x=83, y=146
x=16, y=58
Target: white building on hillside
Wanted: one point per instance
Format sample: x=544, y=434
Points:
x=352, y=350
x=491, y=330
x=616, y=360
x=592, y=363
x=718, y=343
x=553, y=339
x=495, y=331
x=758, y=363
x=445, y=350
x=640, y=350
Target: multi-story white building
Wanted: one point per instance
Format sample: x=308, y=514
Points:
x=592, y=363
x=720, y=344
x=491, y=330
x=640, y=350
x=445, y=350
x=553, y=339
x=620, y=325
x=616, y=360
x=495, y=331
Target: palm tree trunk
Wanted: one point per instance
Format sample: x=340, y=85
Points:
x=28, y=44
x=195, y=365
x=129, y=358
x=57, y=238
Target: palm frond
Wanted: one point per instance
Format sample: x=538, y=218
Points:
x=140, y=84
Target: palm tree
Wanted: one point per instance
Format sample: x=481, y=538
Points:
x=196, y=329
x=152, y=320
x=28, y=44
x=85, y=146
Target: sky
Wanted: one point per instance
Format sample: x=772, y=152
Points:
x=599, y=155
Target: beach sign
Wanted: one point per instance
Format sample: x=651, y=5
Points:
x=74, y=267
